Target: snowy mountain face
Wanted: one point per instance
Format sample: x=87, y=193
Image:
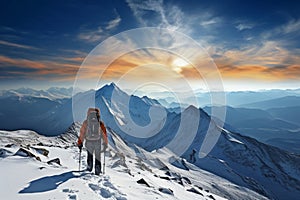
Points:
x=238, y=167
x=39, y=167
x=242, y=160
x=278, y=127
x=262, y=168
x=27, y=108
x=25, y=112
x=247, y=162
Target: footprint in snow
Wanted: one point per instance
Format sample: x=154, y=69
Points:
x=106, y=189
x=94, y=187
x=105, y=193
x=109, y=185
x=72, y=195
x=67, y=190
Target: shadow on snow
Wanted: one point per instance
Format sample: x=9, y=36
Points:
x=49, y=183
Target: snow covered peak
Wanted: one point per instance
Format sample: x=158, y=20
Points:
x=108, y=90
x=191, y=108
x=150, y=101
x=110, y=87
x=192, y=111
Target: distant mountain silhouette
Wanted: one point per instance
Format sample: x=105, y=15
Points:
x=275, y=103
x=264, y=125
x=291, y=114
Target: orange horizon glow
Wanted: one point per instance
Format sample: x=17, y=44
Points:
x=231, y=66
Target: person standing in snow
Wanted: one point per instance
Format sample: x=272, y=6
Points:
x=193, y=156
x=93, y=131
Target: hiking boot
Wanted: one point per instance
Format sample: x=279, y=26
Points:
x=97, y=170
x=89, y=168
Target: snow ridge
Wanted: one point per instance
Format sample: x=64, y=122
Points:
x=49, y=172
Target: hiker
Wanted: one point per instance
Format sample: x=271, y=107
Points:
x=94, y=132
x=192, y=156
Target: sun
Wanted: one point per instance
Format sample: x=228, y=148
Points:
x=178, y=64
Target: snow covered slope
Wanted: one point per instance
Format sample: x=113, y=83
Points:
x=38, y=167
x=265, y=169
x=235, y=168
x=242, y=160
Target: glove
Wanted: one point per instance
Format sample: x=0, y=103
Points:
x=79, y=144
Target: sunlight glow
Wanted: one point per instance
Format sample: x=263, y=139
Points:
x=179, y=62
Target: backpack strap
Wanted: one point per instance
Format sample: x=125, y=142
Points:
x=104, y=132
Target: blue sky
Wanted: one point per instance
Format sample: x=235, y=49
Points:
x=256, y=43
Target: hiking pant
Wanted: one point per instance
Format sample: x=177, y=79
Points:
x=94, y=146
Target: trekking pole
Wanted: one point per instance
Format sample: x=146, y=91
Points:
x=104, y=162
x=79, y=158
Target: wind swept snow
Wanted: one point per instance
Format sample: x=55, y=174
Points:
x=26, y=177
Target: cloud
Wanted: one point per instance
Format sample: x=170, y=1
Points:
x=290, y=28
x=257, y=58
x=6, y=61
x=113, y=23
x=22, y=46
x=6, y=28
x=267, y=60
x=163, y=14
x=211, y=21
x=100, y=32
x=278, y=73
x=89, y=35
x=74, y=59
x=242, y=27
x=267, y=53
x=156, y=13
x=261, y=58
x=74, y=52
x=141, y=8
x=140, y=65
x=37, y=69
x=248, y=72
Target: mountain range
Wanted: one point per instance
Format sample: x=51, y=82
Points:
x=53, y=93
x=144, y=125
x=279, y=127
x=233, y=98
